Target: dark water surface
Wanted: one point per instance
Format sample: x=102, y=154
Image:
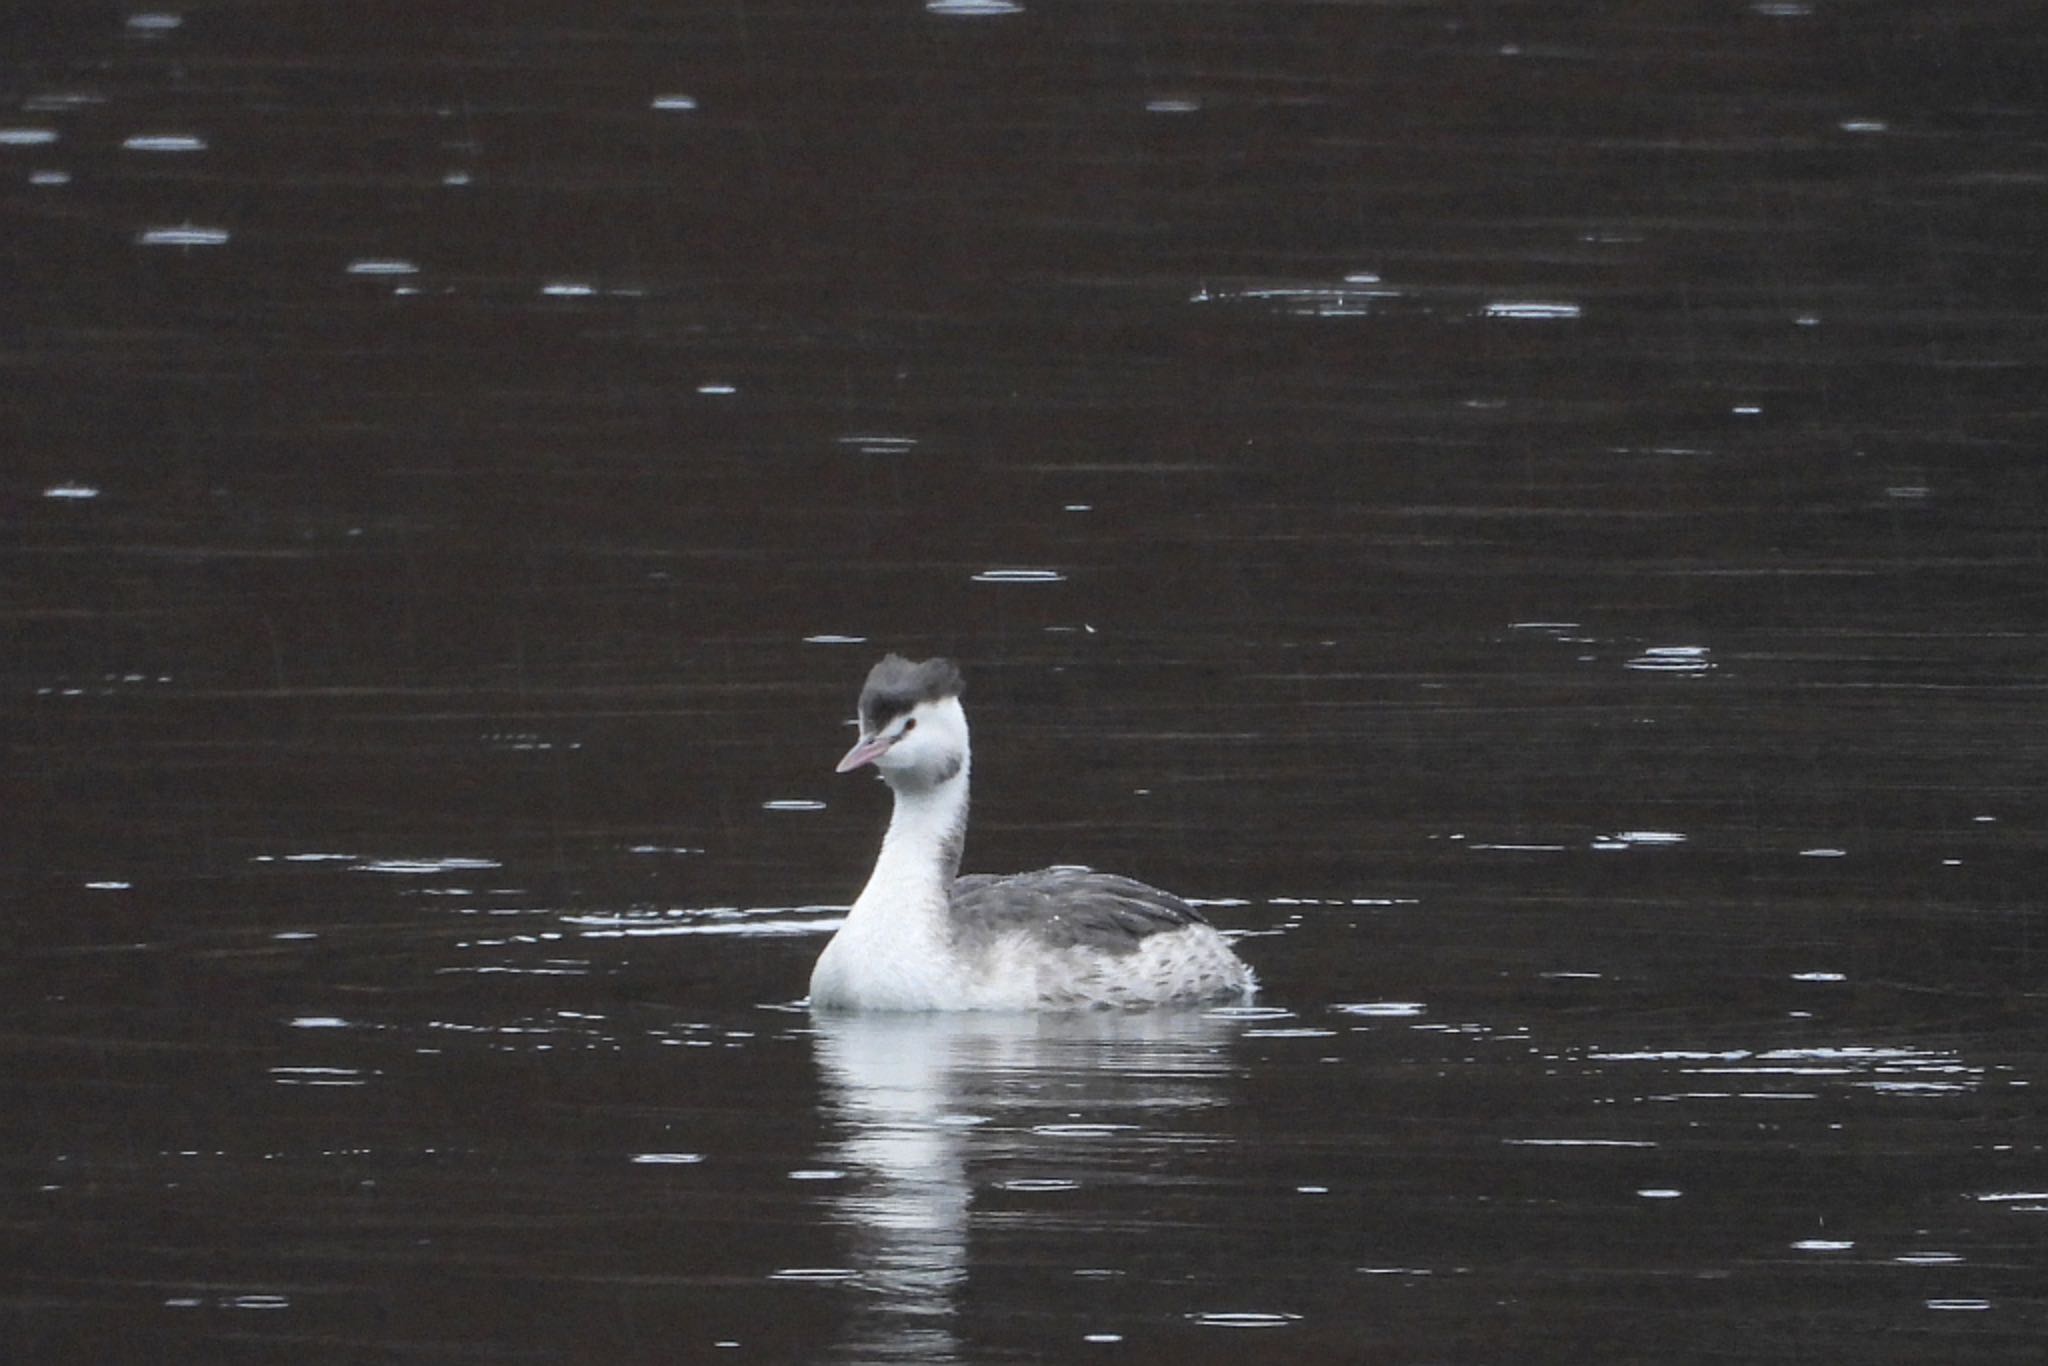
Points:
x=1537, y=513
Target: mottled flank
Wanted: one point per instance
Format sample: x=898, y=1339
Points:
x=896, y=685
x=1068, y=938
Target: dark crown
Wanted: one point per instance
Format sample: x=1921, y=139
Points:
x=896, y=685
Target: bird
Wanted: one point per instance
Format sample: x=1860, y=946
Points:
x=921, y=937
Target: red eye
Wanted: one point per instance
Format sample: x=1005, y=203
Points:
x=910, y=725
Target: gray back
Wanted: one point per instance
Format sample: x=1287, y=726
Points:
x=1068, y=908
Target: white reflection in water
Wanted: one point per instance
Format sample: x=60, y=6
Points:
x=920, y=1101
x=1531, y=309
x=1639, y=839
x=320, y=1076
x=1885, y=1069
x=1672, y=659
x=973, y=9
x=61, y=101
x=183, y=235
x=875, y=443
x=27, y=137
x=1243, y=1319
x=1019, y=576
x=1352, y=297
x=164, y=142
x=1398, y=1009
x=745, y=922
x=422, y=867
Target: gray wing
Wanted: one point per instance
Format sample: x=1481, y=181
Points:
x=1068, y=908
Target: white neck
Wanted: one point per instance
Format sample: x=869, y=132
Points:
x=894, y=951
x=921, y=853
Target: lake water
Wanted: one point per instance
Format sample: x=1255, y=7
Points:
x=1536, y=517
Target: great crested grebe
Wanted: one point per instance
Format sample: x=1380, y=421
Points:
x=921, y=937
